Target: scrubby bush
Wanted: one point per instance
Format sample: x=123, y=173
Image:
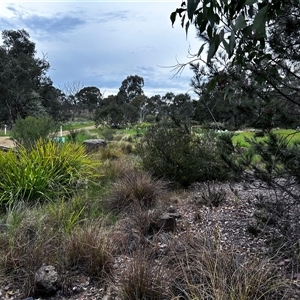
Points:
x=274, y=171
x=46, y=171
x=181, y=156
x=27, y=131
x=107, y=133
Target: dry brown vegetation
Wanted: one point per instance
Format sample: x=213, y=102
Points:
x=108, y=242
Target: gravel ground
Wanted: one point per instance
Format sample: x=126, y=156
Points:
x=230, y=220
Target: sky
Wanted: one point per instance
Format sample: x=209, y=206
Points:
x=100, y=43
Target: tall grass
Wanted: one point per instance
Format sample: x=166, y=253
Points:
x=46, y=171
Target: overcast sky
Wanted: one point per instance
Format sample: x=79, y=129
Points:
x=100, y=43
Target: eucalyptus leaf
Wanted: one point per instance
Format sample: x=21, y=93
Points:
x=187, y=27
x=173, y=17
x=240, y=22
x=191, y=7
x=250, y=2
x=259, y=23
x=201, y=49
x=232, y=42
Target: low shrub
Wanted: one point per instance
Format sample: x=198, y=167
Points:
x=107, y=133
x=211, y=194
x=29, y=130
x=46, y=171
x=181, y=156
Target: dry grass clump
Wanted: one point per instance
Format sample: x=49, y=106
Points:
x=27, y=244
x=126, y=147
x=212, y=194
x=89, y=249
x=144, y=279
x=205, y=271
x=111, y=151
x=117, y=168
x=136, y=189
x=136, y=231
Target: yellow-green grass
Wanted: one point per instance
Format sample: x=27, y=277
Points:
x=240, y=137
x=77, y=125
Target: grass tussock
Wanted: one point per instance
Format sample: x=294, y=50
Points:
x=26, y=246
x=136, y=189
x=206, y=271
x=142, y=279
x=89, y=249
x=44, y=172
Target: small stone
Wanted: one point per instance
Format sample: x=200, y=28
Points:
x=46, y=280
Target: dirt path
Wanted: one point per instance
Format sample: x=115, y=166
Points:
x=5, y=141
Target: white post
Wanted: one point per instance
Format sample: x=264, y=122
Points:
x=5, y=126
x=61, y=131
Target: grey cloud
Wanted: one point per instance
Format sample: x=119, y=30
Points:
x=112, y=16
x=54, y=24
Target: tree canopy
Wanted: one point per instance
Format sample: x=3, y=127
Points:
x=251, y=47
x=21, y=76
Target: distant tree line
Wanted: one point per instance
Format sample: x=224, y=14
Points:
x=26, y=90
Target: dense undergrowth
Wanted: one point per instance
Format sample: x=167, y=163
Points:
x=79, y=211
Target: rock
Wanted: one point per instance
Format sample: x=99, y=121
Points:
x=93, y=145
x=3, y=228
x=46, y=281
x=5, y=149
x=167, y=222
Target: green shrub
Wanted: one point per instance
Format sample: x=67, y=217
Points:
x=46, y=171
x=108, y=133
x=79, y=136
x=182, y=157
x=27, y=131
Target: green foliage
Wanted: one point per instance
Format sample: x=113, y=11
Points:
x=46, y=171
x=22, y=75
x=67, y=214
x=131, y=87
x=248, y=19
x=108, y=133
x=27, y=131
x=182, y=157
x=80, y=135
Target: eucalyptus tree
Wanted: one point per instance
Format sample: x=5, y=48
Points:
x=89, y=98
x=258, y=40
x=131, y=87
x=21, y=74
